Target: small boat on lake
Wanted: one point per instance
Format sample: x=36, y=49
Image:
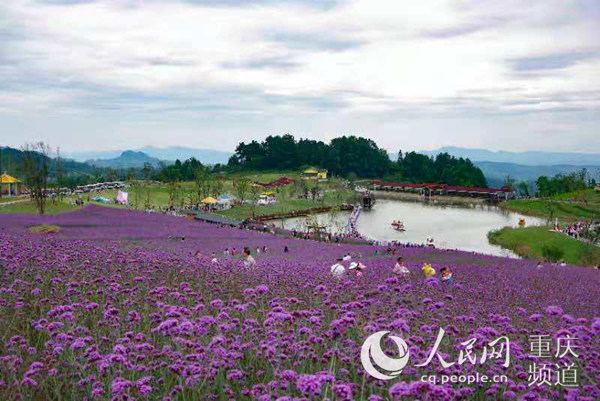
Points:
x=398, y=225
x=430, y=242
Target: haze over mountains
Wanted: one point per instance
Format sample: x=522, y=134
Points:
x=169, y=154
x=524, y=166
x=529, y=158
x=127, y=159
x=521, y=166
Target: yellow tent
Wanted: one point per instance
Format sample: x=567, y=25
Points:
x=9, y=185
x=7, y=179
x=309, y=174
x=209, y=200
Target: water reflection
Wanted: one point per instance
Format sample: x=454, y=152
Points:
x=455, y=227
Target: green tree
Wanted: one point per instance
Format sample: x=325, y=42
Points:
x=173, y=192
x=523, y=188
x=353, y=155
x=254, y=195
x=36, y=159
x=509, y=181
x=241, y=187
x=147, y=171
x=202, y=184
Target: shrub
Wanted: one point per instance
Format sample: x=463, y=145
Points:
x=552, y=253
x=44, y=229
x=493, y=235
x=523, y=250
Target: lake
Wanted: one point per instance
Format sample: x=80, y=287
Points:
x=462, y=227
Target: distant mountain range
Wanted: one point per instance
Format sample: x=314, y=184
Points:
x=13, y=164
x=523, y=166
x=530, y=158
x=172, y=153
x=127, y=159
x=495, y=173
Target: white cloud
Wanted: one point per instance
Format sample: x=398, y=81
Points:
x=285, y=58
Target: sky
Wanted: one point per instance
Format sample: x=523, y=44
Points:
x=413, y=75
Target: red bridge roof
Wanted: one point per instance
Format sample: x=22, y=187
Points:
x=447, y=188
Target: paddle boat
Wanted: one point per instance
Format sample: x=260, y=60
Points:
x=398, y=225
x=430, y=242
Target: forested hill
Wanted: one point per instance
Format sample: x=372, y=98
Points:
x=11, y=161
x=61, y=172
x=351, y=156
x=127, y=159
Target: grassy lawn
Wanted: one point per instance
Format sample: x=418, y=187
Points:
x=530, y=241
x=159, y=196
x=288, y=205
x=6, y=199
x=45, y=229
x=30, y=207
x=335, y=194
x=589, y=196
x=567, y=207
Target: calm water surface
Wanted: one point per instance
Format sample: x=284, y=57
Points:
x=454, y=227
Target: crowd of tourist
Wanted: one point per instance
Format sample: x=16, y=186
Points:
x=346, y=266
x=231, y=253
x=583, y=229
x=328, y=237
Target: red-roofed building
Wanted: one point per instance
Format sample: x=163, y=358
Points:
x=280, y=182
x=428, y=189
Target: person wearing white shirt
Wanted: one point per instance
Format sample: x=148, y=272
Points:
x=399, y=268
x=248, y=259
x=338, y=269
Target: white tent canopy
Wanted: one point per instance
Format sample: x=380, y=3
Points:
x=122, y=198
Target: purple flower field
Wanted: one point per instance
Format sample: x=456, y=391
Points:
x=116, y=306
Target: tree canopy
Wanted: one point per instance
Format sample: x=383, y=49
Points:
x=444, y=168
x=563, y=183
x=354, y=156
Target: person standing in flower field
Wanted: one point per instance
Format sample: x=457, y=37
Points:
x=357, y=268
x=447, y=275
x=248, y=259
x=428, y=270
x=399, y=269
x=338, y=269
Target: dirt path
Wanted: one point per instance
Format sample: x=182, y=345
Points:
x=13, y=202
